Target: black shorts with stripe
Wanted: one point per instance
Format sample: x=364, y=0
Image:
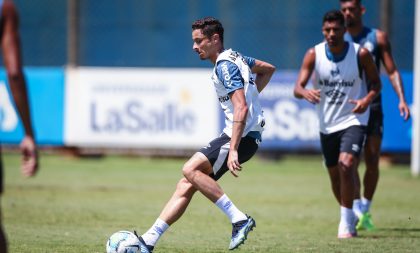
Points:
x=349, y=140
x=218, y=149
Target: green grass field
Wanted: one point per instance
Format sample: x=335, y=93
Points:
x=74, y=205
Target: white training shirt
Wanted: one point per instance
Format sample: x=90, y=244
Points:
x=224, y=85
x=339, y=80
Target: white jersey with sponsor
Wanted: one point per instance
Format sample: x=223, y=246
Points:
x=255, y=118
x=339, y=81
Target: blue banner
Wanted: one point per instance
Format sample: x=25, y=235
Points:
x=46, y=96
x=291, y=124
x=397, y=132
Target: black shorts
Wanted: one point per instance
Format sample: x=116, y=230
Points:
x=218, y=149
x=375, y=125
x=349, y=140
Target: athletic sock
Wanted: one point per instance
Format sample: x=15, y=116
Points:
x=357, y=209
x=231, y=211
x=347, y=216
x=365, y=205
x=155, y=232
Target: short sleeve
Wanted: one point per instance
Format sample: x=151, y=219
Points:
x=230, y=75
x=250, y=61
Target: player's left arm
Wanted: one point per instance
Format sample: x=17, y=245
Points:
x=234, y=84
x=393, y=73
x=369, y=68
x=10, y=44
x=264, y=71
x=240, y=112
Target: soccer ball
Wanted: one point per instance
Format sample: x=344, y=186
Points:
x=123, y=242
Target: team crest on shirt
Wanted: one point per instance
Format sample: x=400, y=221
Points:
x=335, y=94
x=335, y=72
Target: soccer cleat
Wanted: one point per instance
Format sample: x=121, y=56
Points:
x=365, y=223
x=144, y=248
x=346, y=231
x=240, y=232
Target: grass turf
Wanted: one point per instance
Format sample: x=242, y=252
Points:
x=74, y=205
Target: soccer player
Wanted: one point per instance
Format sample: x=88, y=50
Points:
x=10, y=44
x=237, y=91
x=376, y=41
x=342, y=102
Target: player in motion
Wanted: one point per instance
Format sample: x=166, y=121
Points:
x=10, y=44
x=237, y=91
x=342, y=102
x=376, y=41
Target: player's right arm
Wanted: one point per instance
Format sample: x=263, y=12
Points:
x=308, y=65
x=393, y=73
x=10, y=44
x=264, y=71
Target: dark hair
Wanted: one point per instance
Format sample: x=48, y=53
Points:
x=359, y=2
x=209, y=26
x=333, y=15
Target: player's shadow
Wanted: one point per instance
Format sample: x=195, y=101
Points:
x=392, y=233
x=400, y=229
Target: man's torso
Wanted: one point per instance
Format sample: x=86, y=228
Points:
x=339, y=80
x=232, y=72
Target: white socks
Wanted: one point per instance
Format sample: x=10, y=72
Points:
x=231, y=211
x=159, y=227
x=154, y=233
x=347, y=216
x=361, y=206
x=365, y=206
x=357, y=208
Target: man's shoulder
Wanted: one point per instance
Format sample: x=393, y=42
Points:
x=228, y=54
x=8, y=9
x=378, y=33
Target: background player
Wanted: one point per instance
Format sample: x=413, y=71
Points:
x=342, y=101
x=376, y=41
x=10, y=44
x=238, y=96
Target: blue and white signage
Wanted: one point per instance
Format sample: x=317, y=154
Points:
x=144, y=108
x=45, y=88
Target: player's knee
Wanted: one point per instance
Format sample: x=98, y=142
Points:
x=346, y=165
x=188, y=172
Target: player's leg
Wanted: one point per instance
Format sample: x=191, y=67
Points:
x=346, y=170
x=371, y=176
x=197, y=171
x=335, y=182
x=346, y=228
x=330, y=146
x=357, y=188
x=372, y=155
x=370, y=181
x=242, y=224
x=176, y=205
x=351, y=144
